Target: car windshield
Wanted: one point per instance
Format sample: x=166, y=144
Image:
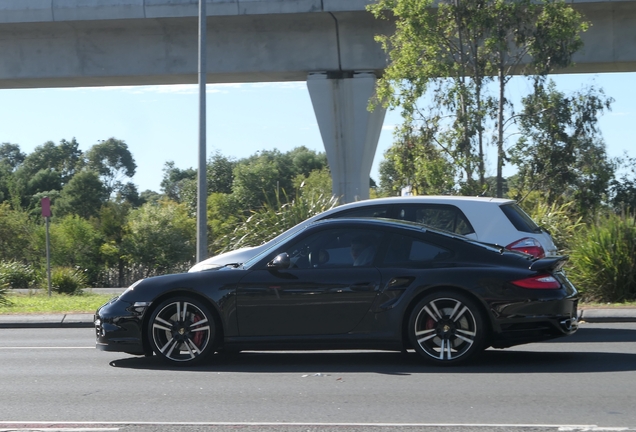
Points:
x=273, y=244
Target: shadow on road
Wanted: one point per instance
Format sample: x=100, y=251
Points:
x=491, y=361
x=616, y=333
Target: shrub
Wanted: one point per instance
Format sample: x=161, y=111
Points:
x=272, y=220
x=3, y=293
x=603, y=259
x=558, y=219
x=67, y=280
x=17, y=275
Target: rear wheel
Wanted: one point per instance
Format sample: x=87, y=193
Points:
x=447, y=328
x=182, y=331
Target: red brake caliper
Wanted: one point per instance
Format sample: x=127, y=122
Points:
x=197, y=338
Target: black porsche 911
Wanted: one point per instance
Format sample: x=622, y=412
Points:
x=349, y=284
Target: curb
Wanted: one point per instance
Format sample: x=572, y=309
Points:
x=47, y=321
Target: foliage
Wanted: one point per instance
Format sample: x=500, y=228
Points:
x=603, y=259
x=160, y=237
x=317, y=183
x=561, y=152
x=623, y=190
x=16, y=231
x=268, y=176
x=68, y=280
x=273, y=219
x=4, y=289
x=83, y=195
x=449, y=51
x=175, y=180
x=112, y=160
x=110, y=225
x=74, y=242
x=220, y=174
x=560, y=220
x=414, y=160
x=224, y=214
x=14, y=274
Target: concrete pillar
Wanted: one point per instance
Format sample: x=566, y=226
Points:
x=349, y=131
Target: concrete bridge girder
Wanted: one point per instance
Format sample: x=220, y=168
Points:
x=349, y=131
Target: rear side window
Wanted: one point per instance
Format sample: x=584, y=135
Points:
x=411, y=252
x=519, y=218
x=444, y=217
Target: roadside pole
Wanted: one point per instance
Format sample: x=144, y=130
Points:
x=46, y=213
x=202, y=193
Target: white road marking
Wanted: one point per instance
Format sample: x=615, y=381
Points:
x=85, y=426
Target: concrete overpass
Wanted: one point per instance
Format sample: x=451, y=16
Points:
x=328, y=43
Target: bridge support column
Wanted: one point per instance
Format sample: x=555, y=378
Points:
x=349, y=131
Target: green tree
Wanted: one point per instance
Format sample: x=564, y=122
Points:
x=160, y=237
x=561, y=152
x=449, y=52
x=256, y=182
x=11, y=156
x=112, y=160
x=111, y=223
x=623, y=189
x=10, y=159
x=48, y=168
x=17, y=229
x=176, y=180
x=83, y=195
x=224, y=213
x=220, y=174
x=317, y=183
x=414, y=160
x=74, y=243
x=547, y=32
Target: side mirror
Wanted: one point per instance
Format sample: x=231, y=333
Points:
x=280, y=262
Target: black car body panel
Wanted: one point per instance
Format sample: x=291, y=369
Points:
x=323, y=304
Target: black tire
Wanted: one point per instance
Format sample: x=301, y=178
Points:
x=182, y=331
x=447, y=328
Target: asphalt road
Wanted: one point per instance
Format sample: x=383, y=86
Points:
x=55, y=377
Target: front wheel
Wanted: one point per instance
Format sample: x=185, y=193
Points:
x=182, y=331
x=447, y=328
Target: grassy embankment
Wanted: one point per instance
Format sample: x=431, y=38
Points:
x=38, y=302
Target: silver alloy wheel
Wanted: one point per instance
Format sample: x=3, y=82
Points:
x=445, y=329
x=182, y=331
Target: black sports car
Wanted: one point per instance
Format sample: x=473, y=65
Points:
x=349, y=284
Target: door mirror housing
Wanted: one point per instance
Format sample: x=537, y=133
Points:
x=280, y=262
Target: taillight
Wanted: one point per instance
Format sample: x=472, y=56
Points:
x=538, y=282
x=528, y=245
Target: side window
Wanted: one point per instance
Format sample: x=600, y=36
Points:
x=369, y=211
x=412, y=252
x=333, y=248
x=444, y=217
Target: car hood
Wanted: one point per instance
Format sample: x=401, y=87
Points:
x=237, y=256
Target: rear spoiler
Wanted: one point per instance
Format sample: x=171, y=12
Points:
x=552, y=264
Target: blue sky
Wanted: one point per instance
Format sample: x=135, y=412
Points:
x=160, y=123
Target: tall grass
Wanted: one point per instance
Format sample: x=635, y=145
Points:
x=603, y=259
x=274, y=219
x=558, y=219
